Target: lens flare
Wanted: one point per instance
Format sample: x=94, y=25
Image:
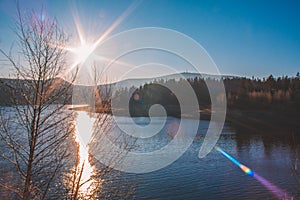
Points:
x=82, y=51
x=247, y=170
x=279, y=193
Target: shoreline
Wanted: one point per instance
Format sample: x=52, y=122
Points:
x=256, y=121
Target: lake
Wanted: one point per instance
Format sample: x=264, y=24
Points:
x=273, y=156
x=215, y=177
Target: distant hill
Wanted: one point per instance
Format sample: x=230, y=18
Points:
x=187, y=75
x=6, y=86
x=10, y=90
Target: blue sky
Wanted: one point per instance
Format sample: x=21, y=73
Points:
x=243, y=37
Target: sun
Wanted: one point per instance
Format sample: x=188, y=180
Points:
x=85, y=50
x=82, y=52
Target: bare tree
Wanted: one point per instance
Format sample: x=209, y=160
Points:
x=103, y=92
x=106, y=182
x=35, y=130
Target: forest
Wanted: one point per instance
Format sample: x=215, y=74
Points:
x=281, y=93
x=252, y=102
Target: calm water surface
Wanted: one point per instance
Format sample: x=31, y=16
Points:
x=272, y=156
x=215, y=177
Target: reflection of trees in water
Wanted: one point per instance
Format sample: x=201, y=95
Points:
x=270, y=140
x=243, y=143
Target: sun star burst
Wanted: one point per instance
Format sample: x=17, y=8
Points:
x=82, y=52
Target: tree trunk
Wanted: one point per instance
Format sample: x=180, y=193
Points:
x=27, y=186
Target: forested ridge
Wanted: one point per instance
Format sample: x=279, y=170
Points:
x=241, y=93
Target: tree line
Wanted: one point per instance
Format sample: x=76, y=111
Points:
x=281, y=93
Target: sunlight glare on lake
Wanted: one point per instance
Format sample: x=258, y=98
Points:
x=84, y=128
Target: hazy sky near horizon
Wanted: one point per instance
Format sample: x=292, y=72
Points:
x=247, y=38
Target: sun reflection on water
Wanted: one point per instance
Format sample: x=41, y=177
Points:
x=84, y=128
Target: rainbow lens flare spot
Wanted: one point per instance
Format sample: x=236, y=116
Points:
x=247, y=170
x=279, y=193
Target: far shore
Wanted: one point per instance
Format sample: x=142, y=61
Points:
x=256, y=121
